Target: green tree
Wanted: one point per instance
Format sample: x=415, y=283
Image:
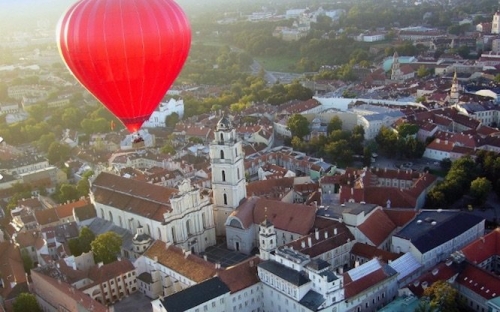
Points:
x=334, y=124
x=298, y=126
x=74, y=247
x=424, y=306
x=172, y=119
x=83, y=187
x=297, y=143
x=387, y=141
x=443, y=297
x=68, y=192
x=58, y=152
x=422, y=71
x=168, y=148
x=407, y=129
x=480, y=188
x=26, y=302
x=106, y=247
x=463, y=51
x=86, y=238
x=45, y=141
x=27, y=261
x=340, y=152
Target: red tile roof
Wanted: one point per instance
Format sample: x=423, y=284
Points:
x=241, y=275
x=400, y=217
x=442, y=271
x=479, y=281
x=100, y=274
x=273, y=188
x=46, y=216
x=302, y=106
x=354, y=288
x=142, y=198
x=26, y=239
x=369, y=252
x=66, y=210
x=483, y=248
x=191, y=266
x=295, y=218
x=11, y=267
x=78, y=297
x=377, y=227
x=441, y=145
x=327, y=240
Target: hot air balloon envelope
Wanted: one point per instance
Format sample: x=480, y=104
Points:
x=127, y=53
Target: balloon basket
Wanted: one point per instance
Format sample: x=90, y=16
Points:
x=138, y=142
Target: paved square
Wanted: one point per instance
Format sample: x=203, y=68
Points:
x=137, y=302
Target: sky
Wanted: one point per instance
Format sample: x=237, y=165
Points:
x=22, y=14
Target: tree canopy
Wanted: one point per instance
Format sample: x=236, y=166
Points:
x=298, y=126
x=106, y=247
x=26, y=302
x=443, y=297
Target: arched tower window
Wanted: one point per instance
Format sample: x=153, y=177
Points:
x=120, y=221
x=225, y=199
x=222, y=137
x=235, y=152
x=221, y=154
x=238, y=171
x=110, y=216
x=102, y=213
x=223, y=176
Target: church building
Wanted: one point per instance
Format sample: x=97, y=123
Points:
x=182, y=217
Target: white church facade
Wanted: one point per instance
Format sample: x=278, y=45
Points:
x=182, y=217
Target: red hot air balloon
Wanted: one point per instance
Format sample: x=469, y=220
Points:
x=127, y=53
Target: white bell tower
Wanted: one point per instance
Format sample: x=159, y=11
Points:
x=228, y=173
x=267, y=238
x=455, y=90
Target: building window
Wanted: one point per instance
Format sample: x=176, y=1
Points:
x=188, y=227
x=173, y=235
x=223, y=176
x=221, y=154
x=225, y=199
x=222, y=137
x=238, y=170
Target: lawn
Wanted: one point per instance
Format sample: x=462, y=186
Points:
x=278, y=63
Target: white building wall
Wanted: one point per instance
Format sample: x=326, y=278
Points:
x=248, y=299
